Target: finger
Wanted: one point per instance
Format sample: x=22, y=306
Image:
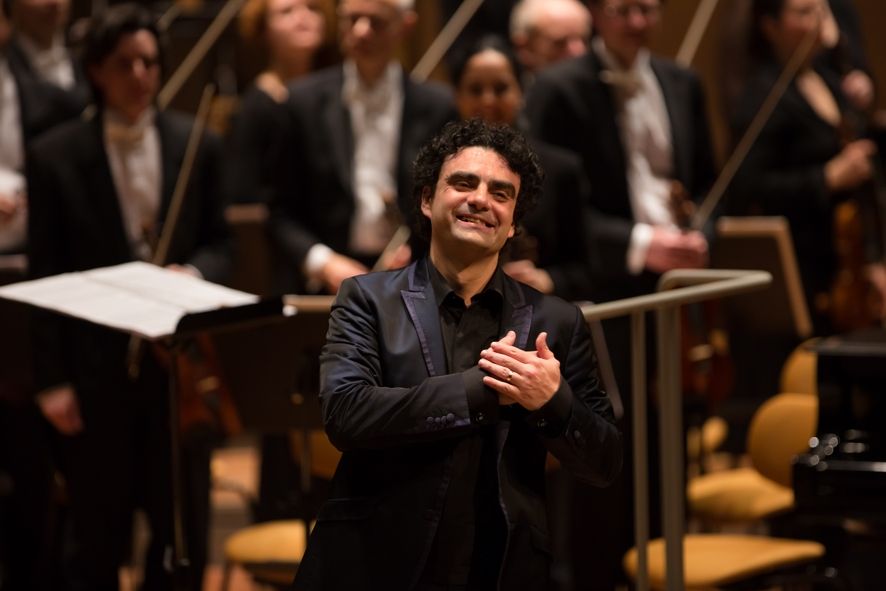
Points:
x=503, y=388
x=541, y=346
x=512, y=352
x=510, y=338
x=503, y=368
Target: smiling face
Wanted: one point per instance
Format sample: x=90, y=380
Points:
x=472, y=208
x=489, y=89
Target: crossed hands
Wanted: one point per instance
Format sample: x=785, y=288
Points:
x=527, y=378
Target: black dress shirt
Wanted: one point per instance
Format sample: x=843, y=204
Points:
x=469, y=543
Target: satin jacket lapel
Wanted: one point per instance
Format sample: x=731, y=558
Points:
x=517, y=314
x=101, y=187
x=421, y=306
x=676, y=98
x=337, y=121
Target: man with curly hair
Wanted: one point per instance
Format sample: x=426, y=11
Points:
x=445, y=384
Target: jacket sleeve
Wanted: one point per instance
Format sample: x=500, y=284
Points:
x=577, y=425
x=360, y=412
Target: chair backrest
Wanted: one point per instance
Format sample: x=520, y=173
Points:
x=781, y=429
x=799, y=372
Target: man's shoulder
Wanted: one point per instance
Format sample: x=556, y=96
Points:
x=667, y=67
x=74, y=133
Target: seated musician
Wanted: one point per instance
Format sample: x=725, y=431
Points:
x=99, y=194
x=355, y=129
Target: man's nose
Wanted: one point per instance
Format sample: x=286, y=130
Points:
x=479, y=198
x=576, y=46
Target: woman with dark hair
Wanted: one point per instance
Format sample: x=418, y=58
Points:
x=291, y=32
x=801, y=166
x=551, y=251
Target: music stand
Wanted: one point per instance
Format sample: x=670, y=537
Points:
x=181, y=308
x=763, y=243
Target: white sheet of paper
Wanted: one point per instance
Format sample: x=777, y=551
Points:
x=135, y=297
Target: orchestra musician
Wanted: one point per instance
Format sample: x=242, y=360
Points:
x=291, y=32
x=802, y=166
x=550, y=251
x=99, y=193
x=445, y=383
x=355, y=129
x=639, y=124
x=545, y=32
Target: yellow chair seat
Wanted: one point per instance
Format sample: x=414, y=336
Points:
x=738, y=495
x=270, y=551
x=711, y=561
x=708, y=438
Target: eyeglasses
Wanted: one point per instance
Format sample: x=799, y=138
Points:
x=622, y=10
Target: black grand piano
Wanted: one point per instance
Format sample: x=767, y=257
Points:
x=843, y=475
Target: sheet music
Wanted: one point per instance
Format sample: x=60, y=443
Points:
x=135, y=297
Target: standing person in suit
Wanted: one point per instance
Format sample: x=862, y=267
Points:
x=99, y=191
x=355, y=129
x=545, y=32
x=445, y=383
x=639, y=124
x=38, y=46
x=28, y=106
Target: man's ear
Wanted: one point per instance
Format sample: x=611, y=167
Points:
x=426, y=202
x=512, y=230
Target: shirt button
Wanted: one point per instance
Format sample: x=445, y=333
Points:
x=577, y=434
x=542, y=423
x=480, y=417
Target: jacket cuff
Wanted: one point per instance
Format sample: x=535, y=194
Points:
x=482, y=401
x=552, y=418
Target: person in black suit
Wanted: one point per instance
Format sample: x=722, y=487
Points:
x=38, y=47
x=28, y=107
x=355, y=129
x=639, y=124
x=99, y=190
x=551, y=251
x=445, y=423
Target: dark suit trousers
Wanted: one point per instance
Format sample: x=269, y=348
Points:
x=119, y=462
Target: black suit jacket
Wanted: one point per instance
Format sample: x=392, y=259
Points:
x=389, y=404
x=558, y=226
x=75, y=224
x=315, y=199
x=570, y=106
x=67, y=103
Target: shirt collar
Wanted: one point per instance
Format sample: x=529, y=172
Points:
x=442, y=289
x=40, y=58
x=119, y=130
x=354, y=89
x=630, y=80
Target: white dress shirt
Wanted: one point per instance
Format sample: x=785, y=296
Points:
x=12, y=183
x=376, y=114
x=134, y=157
x=645, y=132
x=53, y=65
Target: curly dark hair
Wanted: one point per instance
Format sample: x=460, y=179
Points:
x=509, y=143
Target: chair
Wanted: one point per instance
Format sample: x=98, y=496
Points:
x=722, y=561
x=799, y=371
x=271, y=552
x=780, y=429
